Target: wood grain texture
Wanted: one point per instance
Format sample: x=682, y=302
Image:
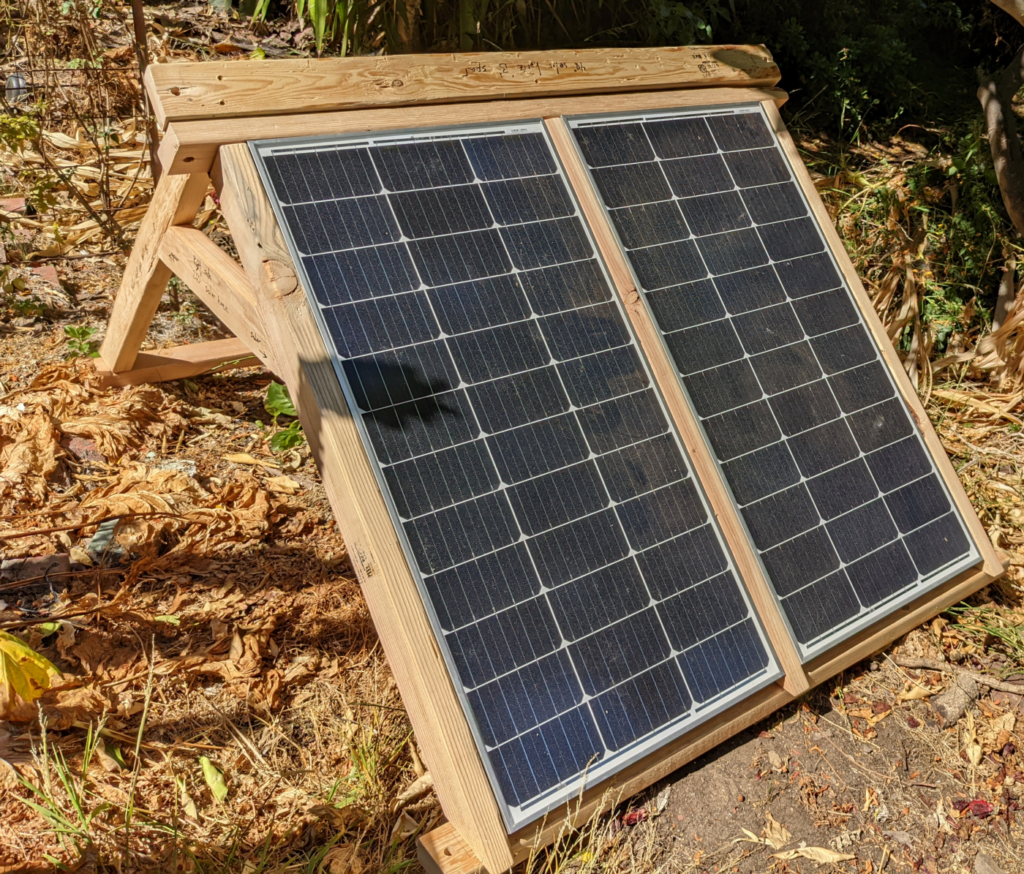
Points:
x=218, y=89
x=219, y=281
x=180, y=362
x=191, y=146
x=991, y=561
x=443, y=851
x=377, y=557
x=665, y=374
x=175, y=202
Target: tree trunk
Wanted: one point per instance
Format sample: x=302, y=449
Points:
x=996, y=94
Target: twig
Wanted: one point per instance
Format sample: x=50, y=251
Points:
x=16, y=534
x=39, y=620
x=946, y=667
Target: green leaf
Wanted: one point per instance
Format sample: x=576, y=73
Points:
x=169, y=619
x=115, y=753
x=48, y=628
x=287, y=438
x=214, y=778
x=279, y=401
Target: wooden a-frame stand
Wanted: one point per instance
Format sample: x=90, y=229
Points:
x=209, y=111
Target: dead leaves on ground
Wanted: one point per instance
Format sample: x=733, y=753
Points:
x=158, y=507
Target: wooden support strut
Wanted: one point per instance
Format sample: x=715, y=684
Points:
x=191, y=146
x=175, y=202
x=226, y=89
x=705, y=470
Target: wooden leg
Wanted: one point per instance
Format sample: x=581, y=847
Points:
x=442, y=851
x=181, y=362
x=176, y=202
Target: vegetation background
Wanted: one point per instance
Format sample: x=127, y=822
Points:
x=216, y=699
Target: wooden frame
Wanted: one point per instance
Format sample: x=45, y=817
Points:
x=209, y=111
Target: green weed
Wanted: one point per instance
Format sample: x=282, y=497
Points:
x=80, y=342
x=278, y=402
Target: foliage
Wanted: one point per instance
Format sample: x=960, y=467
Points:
x=353, y=26
x=279, y=403
x=80, y=342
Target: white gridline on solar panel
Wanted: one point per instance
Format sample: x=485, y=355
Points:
x=757, y=629
x=924, y=580
x=385, y=191
x=695, y=705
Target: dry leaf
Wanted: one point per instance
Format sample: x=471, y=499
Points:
x=916, y=693
x=776, y=835
x=284, y=485
x=245, y=458
x=344, y=859
x=815, y=854
x=973, y=746
x=413, y=792
x=24, y=676
x=404, y=828
x=30, y=459
x=80, y=556
x=187, y=803
x=65, y=707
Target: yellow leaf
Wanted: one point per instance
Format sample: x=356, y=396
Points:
x=214, y=778
x=24, y=676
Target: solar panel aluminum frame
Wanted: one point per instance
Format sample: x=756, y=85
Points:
x=981, y=551
x=516, y=819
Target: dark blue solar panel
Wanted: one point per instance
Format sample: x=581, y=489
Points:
x=837, y=491
x=566, y=553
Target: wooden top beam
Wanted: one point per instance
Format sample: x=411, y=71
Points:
x=221, y=89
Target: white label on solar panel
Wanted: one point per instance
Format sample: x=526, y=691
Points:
x=579, y=588
x=838, y=493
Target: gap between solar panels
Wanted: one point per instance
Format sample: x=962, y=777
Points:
x=622, y=456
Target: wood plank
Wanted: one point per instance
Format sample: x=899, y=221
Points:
x=443, y=851
x=219, y=281
x=668, y=380
x=906, y=388
x=191, y=146
x=175, y=202
x=219, y=89
x=180, y=362
x=377, y=556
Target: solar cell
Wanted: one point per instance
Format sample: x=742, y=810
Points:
x=838, y=493
x=579, y=587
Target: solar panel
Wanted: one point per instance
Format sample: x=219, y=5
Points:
x=580, y=590
x=838, y=493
